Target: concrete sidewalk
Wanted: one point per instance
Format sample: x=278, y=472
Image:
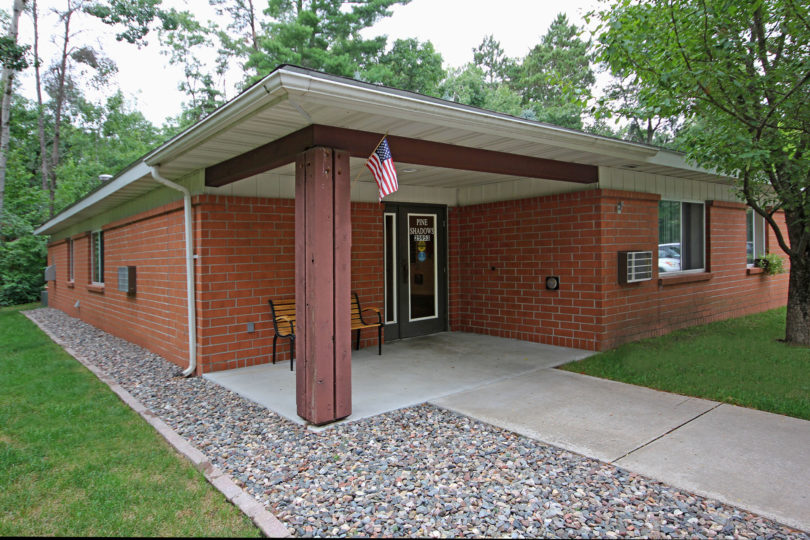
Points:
x=753, y=460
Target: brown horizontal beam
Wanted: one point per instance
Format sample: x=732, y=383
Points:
x=403, y=149
x=264, y=158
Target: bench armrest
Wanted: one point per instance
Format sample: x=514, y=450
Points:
x=375, y=310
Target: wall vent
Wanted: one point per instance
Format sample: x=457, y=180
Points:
x=635, y=266
x=126, y=280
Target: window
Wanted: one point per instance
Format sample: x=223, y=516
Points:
x=70, y=259
x=755, y=236
x=681, y=233
x=97, y=257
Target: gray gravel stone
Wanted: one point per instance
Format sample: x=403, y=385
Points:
x=420, y=471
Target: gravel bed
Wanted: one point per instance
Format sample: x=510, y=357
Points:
x=421, y=471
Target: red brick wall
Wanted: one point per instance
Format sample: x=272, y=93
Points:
x=500, y=254
x=367, y=261
x=247, y=256
x=155, y=317
x=246, y=251
x=658, y=307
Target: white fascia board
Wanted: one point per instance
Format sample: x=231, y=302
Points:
x=128, y=177
x=411, y=106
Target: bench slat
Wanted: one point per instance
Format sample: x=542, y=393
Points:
x=283, y=315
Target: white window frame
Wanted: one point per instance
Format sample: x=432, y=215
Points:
x=703, y=235
x=393, y=217
x=96, y=259
x=757, y=224
x=71, y=260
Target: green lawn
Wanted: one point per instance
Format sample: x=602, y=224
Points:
x=739, y=361
x=76, y=461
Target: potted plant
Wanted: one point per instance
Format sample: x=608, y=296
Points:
x=771, y=264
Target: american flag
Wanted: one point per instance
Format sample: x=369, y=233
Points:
x=381, y=166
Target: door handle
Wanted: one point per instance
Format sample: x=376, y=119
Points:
x=404, y=272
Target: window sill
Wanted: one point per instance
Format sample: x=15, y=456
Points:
x=95, y=287
x=754, y=270
x=70, y=284
x=684, y=278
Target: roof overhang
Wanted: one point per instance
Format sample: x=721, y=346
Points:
x=291, y=99
x=127, y=185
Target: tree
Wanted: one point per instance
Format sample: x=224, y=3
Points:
x=645, y=122
x=490, y=57
x=468, y=85
x=43, y=145
x=409, y=65
x=183, y=44
x=241, y=37
x=102, y=139
x=555, y=78
x=320, y=34
x=742, y=71
x=13, y=59
x=22, y=255
x=132, y=17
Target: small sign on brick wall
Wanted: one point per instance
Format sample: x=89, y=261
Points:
x=126, y=279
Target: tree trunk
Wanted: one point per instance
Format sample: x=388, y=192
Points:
x=797, y=323
x=60, y=102
x=252, y=16
x=7, y=84
x=43, y=147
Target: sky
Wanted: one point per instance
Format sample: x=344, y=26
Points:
x=454, y=27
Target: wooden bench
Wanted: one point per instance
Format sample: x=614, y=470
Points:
x=283, y=314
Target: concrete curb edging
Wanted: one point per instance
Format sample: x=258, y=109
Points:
x=264, y=520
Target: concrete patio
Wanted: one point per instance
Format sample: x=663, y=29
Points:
x=409, y=372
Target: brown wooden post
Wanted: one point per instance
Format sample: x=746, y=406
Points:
x=323, y=285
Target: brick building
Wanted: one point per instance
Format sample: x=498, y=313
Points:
x=501, y=226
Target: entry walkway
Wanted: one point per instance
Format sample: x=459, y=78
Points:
x=751, y=459
x=754, y=460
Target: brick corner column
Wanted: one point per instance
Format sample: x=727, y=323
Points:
x=323, y=285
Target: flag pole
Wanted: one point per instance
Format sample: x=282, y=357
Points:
x=356, y=178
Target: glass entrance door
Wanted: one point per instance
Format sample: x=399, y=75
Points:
x=415, y=270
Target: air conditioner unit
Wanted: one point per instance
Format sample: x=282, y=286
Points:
x=635, y=266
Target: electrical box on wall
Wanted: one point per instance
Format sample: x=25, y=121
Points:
x=50, y=273
x=126, y=279
x=635, y=266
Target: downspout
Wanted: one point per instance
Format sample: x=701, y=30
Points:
x=190, y=289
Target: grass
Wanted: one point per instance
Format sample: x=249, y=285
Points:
x=76, y=461
x=738, y=361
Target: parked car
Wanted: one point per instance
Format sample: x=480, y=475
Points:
x=669, y=257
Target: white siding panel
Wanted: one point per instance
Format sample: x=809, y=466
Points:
x=515, y=189
x=668, y=187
